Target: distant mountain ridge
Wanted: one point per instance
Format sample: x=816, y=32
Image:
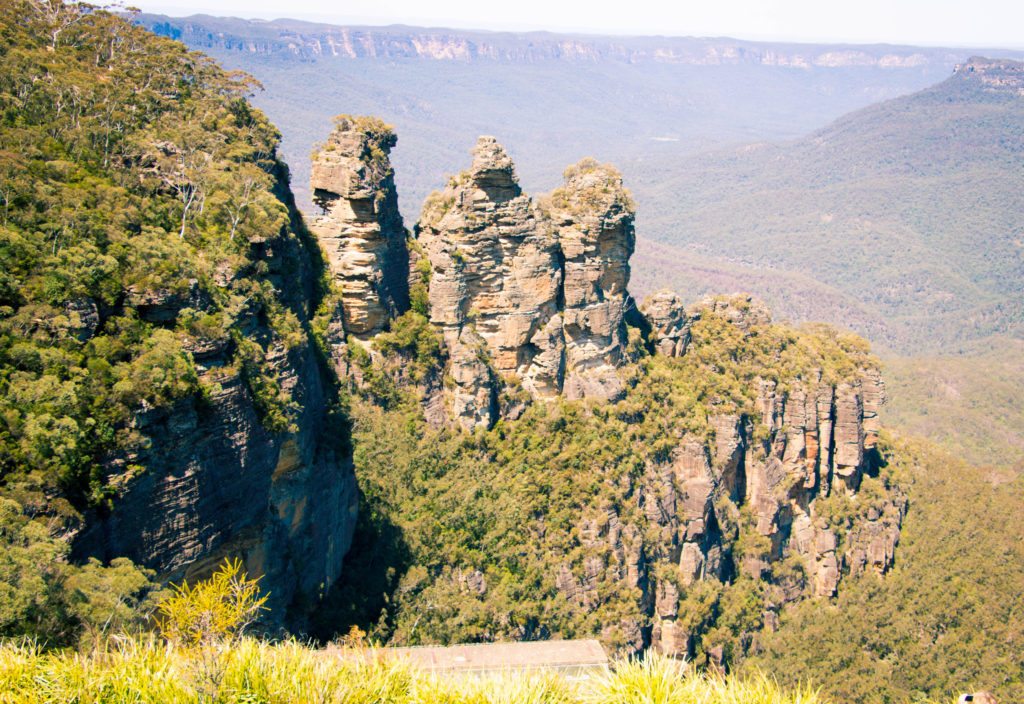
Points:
x=641, y=102
x=307, y=40
x=803, y=224
x=912, y=208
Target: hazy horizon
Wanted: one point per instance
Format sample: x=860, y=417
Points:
x=945, y=23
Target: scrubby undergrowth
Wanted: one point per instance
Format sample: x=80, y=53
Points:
x=253, y=671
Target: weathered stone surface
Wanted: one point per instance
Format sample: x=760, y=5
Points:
x=873, y=396
x=849, y=435
x=669, y=322
x=669, y=638
x=741, y=309
x=776, y=472
x=543, y=290
x=593, y=214
x=495, y=285
x=83, y=318
x=360, y=227
x=163, y=305
x=217, y=482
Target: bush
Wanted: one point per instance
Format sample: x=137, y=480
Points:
x=215, y=610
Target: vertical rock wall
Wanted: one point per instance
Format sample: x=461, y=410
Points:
x=758, y=479
x=218, y=482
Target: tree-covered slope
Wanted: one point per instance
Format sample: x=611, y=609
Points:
x=481, y=536
x=947, y=618
x=971, y=405
x=154, y=291
x=910, y=208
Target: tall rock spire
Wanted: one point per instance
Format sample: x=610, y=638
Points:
x=360, y=227
x=495, y=285
x=593, y=214
x=528, y=295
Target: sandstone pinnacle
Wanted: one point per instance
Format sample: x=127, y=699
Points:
x=360, y=227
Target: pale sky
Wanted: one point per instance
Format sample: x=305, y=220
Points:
x=974, y=23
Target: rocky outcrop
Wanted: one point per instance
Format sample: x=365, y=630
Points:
x=530, y=300
x=526, y=295
x=741, y=309
x=495, y=286
x=759, y=479
x=669, y=322
x=1000, y=76
x=360, y=228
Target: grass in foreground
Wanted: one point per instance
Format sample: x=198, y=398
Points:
x=251, y=672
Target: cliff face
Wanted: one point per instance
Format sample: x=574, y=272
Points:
x=759, y=479
x=527, y=294
x=219, y=482
x=593, y=215
x=308, y=41
x=993, y=76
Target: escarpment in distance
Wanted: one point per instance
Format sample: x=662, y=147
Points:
x=742, y=447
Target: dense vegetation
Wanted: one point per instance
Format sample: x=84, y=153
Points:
x=136, y=185
x=946, y=619
x=462, y=536
x=969, y=404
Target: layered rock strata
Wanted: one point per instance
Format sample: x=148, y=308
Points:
x=495, y=286
x=360, y=228
x=525, y=295
x=593, y=215
x=217, y=481
x=670, y=324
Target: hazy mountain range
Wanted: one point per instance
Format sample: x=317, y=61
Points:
x=797, y=223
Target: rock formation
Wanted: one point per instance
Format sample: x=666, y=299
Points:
x=805, y=442
x=527, y=295
x=530, y=301
x=593, y=214
x=360, y=227
x=670, y=324
x=495, y=286
x=1000, y=76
